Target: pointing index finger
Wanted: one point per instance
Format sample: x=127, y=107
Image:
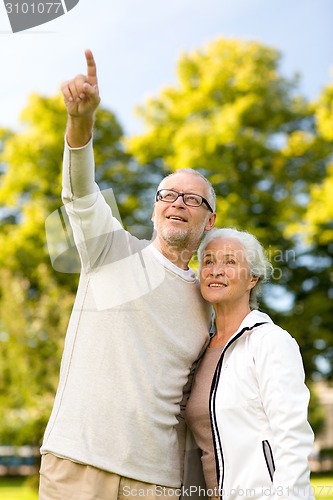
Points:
x=91, y=65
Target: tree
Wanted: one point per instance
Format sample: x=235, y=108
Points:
x=233, y=117
x=35, y=300
x=312, y=278
x=31, y=342
x=319, y=214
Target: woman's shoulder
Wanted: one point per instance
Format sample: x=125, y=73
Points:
x=264, y=330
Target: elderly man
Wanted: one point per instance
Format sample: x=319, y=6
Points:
x=138, y=325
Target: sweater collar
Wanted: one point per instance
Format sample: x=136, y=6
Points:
x=186, y=274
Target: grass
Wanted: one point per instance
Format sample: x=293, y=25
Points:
x=18, y=489
x=322, y=487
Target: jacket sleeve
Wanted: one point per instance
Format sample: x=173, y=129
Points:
x=285, y=399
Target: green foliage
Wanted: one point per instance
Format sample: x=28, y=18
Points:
x=266, y=150
x=36, y=301
x=31, y=342
x=233, y=117
x=317, y=415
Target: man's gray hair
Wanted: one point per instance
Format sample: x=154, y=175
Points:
x=254, y=253
x=211, y=191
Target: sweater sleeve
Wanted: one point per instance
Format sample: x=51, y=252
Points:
x=78, y=176
x=285, y=399
x=90, y=217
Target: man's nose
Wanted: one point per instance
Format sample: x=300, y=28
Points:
x=179, y=202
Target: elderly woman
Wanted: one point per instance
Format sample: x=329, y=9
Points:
x=248, y=405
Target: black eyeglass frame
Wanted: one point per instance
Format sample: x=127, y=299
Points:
x=203, y=200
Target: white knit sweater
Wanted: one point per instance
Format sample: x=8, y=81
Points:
x=137, y=326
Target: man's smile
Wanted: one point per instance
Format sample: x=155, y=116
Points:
x=176, y=218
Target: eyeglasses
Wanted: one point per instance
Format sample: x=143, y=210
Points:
x=190, y=199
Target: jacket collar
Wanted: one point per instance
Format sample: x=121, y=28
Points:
x=253, y=319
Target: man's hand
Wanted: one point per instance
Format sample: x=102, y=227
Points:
x=81, y=98
x=81, y=94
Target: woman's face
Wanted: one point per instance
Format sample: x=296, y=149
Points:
x=225, y=275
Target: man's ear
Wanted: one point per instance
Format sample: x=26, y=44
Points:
x=210, y=222
x=153, y=214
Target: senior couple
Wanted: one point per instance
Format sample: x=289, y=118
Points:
x=138, y=339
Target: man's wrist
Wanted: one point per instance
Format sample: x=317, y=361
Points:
x=79, y=130
x=78, y=148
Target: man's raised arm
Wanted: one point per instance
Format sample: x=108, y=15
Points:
x=81, y=98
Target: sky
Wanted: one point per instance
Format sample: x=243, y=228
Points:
x=137, y=43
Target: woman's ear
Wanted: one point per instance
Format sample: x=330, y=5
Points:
x=254, y=281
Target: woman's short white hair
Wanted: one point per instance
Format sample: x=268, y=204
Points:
x=255, y=256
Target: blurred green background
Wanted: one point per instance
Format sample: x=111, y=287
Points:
x=266, y=149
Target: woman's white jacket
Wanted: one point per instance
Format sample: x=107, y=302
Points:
x=258, y=407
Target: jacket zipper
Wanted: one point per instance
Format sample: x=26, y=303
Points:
x=219, y=460
x=268, y=454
